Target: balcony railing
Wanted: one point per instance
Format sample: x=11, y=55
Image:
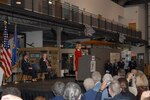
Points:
x=72, y=13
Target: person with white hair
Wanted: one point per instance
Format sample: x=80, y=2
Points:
x=107, y=78
x=72, y=91
x=10, y=97
x=145, y=95
x=96, y=76
x=90, y=94
x=58, y=90
x=11, y=93
x=114, y=91
x=142, y=83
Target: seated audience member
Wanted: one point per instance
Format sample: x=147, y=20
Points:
x=145, y=95
x=96, y=76
x=11, y=93
x=131, y=78
x=114, y=90
x=107, y=78
x=10, y=97
x=58, y=90
x=134, y=71
x=90, y=94
x=121, y=73
x=125, y=91
x=141, y=83
x=27, y=69
x=44, y=65
x=40, y=98
x=72, y=91
x=116, y=77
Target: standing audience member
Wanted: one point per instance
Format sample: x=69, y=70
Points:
x=108, y=67
x=96, y=76
x=27, y=68
x=72, y=91
x=44, y=65
x=58, y=90
x=125, y=91
x=121, y=64
x=11, y=93
x=114, y=68
x=132, y=64
x=121, y=73
x=90, y=94
x=114, y=90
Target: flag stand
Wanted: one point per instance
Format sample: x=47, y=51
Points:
x=4, y=81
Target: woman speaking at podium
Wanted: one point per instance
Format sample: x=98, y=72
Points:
x=78, y=54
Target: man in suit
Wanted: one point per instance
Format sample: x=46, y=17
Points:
x=44, y=65
x=27, y=68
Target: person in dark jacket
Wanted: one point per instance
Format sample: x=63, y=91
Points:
x=132, y=64
x=115, y=92
x=121, y=64
x=125, y=91
x=44, y=65
x=27, y=68
x=90, y=94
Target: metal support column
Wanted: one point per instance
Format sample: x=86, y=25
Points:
x=59, y=30
x=146, y=32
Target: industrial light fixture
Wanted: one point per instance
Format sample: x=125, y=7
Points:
x=18, y=2
x=50, y=2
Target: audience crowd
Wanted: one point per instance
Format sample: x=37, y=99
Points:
x=131, y=86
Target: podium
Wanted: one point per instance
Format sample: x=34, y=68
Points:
x=87, y=65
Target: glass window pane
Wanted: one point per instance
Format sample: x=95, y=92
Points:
x=40, y=6
x=28, y=4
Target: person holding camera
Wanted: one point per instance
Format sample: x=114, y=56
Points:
x=132, y=85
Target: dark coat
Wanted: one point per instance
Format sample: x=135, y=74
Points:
x=43, y=65
x=25, y=66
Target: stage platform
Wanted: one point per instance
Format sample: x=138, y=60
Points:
x=30, y=90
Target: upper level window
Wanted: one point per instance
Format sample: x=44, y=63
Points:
x=8, y=2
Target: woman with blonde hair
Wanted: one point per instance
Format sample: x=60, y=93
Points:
x=141, y=83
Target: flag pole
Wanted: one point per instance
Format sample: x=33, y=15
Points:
x=4, y=76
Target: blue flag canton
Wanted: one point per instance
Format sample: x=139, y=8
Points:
x=6, y=44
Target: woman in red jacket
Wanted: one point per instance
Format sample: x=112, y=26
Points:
x=78, y=54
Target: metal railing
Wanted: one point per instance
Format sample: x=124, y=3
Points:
x=72, y=13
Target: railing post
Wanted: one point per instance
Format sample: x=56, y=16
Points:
x=98, y=19
x=82, y=17
x=91, y=20
x=105, y=24
x=32, y=6
x=72, y=14
x=48, y=7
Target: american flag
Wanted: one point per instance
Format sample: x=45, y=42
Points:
x=6, y=54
